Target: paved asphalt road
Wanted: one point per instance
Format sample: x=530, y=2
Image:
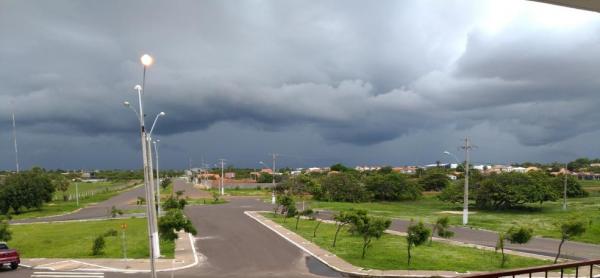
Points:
x=100, y=210
x=234, y=245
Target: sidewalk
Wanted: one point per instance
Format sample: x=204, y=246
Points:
x=185, y=257
x=348, y=269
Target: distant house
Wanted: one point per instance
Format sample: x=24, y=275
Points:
x=267, y=170
x=314, y=170
x=452, y=177
x=405, y=169
x=230, y=175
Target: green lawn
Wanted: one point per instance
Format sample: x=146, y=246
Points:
x=90, y=186
x=589, y=183
x=58, y=207
x=389, y=252
x=245, y=191
x=541, y=219
x=206, y=201
x=74, y=239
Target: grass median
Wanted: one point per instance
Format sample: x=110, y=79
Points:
x=75, y=239
x=389, y=252
x=542, y=219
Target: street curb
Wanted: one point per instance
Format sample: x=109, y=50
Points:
x=192, y=242
x=341, y=271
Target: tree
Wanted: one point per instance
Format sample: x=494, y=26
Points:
x=173, y=221
x=5, y=232
x=339, y=167
x=434, y=180
x=369, y=227
x=569, y=230
x=28, y=189
x=344, y=218
x=114, y=211
x=61, y=183
x=574, y=188
x=342, y=187
x=508, y=190
x=515, y=235
x=441, y=227
x=306, y=212
x=392, y=187
x=165, y=183
x=416, y=235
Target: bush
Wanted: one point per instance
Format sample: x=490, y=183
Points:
x=111, y=232
x=98, y=246
x=5, y=233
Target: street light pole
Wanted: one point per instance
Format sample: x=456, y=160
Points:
x=149, y=193
x=565, y=188
x=155, y=142
x=15, y=142
x=222, y=177
x=273, y=186
x=467, y=147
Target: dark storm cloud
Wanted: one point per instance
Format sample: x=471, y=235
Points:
x=349, y=71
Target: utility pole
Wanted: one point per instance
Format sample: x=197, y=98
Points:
x=565, y=189
x=222, y=177
x=15, y=141
x=467, y=147
x=273, y=186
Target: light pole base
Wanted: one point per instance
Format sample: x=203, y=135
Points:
x=465, y=217
x=156, y=245
x=273, y=199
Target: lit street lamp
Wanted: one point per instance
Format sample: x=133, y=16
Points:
x=148, y=175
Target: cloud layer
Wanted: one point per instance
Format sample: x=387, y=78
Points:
x=345, y=72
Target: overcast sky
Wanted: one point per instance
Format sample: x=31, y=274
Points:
x=357, y=82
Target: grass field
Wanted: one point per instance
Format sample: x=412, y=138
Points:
x=90, y=186
x=74, y=239
x=245, y=191
x=541, y=219
x=389, y=252
x=58, y=207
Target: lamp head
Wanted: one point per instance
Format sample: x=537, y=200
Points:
x=147, y=60
x=446, y=152
x=126, y=103
x=162, y=114
x=138, y=87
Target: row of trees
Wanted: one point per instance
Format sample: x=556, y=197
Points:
x=26, y=190
x=511, y=190
x=351, y=187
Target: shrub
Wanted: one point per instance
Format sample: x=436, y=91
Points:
x=111, y=232
x=98, y=246
x=5, y=233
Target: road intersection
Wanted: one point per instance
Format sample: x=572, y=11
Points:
x=232, y=244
